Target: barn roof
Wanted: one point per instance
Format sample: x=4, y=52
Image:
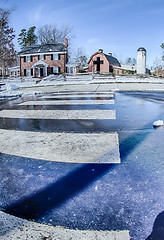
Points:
x=112, y=60
x=46, y=48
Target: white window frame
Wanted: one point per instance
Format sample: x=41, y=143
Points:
x=41, y=56
x=55, y=56
x=55, y=69
x=28, y=58
x=28, y=72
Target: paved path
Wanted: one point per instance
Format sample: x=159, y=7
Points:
x=100, y=87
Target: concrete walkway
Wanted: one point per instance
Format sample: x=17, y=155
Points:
x=99, y=87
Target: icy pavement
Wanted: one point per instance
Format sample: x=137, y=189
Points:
x=98, y=197
x=63, y=147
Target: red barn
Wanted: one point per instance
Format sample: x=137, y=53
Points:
x=101, y=62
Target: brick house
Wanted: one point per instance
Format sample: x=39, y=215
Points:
x=101, y=62
x=42, y=60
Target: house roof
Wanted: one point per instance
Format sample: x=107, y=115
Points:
x=112, y=60
x=46, y=48
x=126, y=67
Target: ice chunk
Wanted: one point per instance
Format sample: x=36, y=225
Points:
x=158, y=123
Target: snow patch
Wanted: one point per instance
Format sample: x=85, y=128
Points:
x=158, y=123
x=12, y=85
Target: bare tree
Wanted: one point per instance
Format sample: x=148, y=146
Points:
x=7, y=51
x=81, y=57
x=130, y=61
x=134, y=61
x=51, y=34
x=157, y=63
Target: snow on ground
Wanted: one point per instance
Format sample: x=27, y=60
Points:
x=14, y=87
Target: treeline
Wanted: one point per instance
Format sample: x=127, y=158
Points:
x=44, y=35
x=47, y=34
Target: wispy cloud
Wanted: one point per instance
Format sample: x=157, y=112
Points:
x=38, y=13
x=35, y=15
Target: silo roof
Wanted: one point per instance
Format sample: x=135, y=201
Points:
x=141, y=49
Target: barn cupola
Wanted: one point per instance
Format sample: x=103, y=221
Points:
x=100, y=50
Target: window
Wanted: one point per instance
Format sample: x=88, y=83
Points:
x=24, y=58
x=42, y=57
x=59, y=70
x=28, y=72
x=38, y=57
x=24, y=72
x=54, y=56
x=28, y=58
x=31, y=58
x=55, y=69
x=58, y=56
x=31, y=71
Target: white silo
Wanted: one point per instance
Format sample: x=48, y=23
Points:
x=141, y=61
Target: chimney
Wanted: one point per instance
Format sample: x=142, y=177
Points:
x=66, y=42
x=100, y=50
x=110, y=54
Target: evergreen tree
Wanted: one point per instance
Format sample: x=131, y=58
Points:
x=22, y=38
x=31, y=36
x=7, y=52
x=27, y=38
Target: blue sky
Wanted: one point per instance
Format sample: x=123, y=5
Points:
x=116, y=26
